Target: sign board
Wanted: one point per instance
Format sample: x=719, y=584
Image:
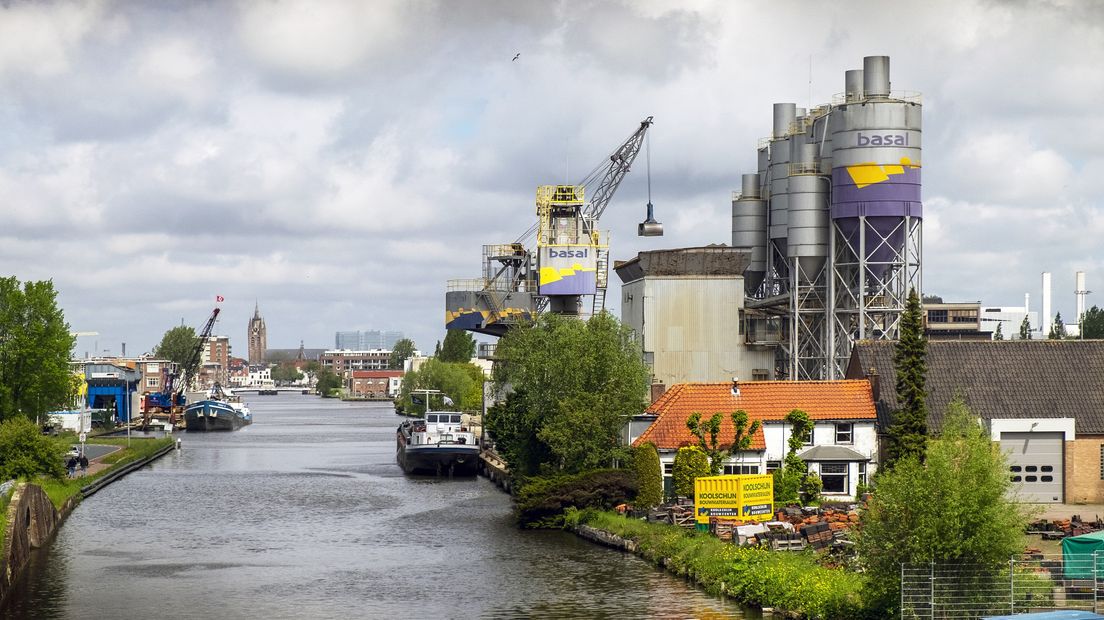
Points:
x=83, y=437
x=85, y=421
x=568, y=269
x=745, y=497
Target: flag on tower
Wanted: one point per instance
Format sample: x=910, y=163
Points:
x=219, y=298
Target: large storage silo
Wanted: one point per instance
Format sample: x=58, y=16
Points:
x=749, y=230
x=784, y=116
x=876, y=210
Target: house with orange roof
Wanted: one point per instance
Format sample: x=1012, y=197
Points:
x=843, y=448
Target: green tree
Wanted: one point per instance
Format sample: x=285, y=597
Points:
x=908, y=433
x=461, y=383
x=402, y=351
x=1057, y=329
x=649, y=476
x=328, y=381
x=788, y=481
x=741, y=439
x=286, y=373
x=177, y=345
x=690, y=464
x=459, y=346
x=312, y=367
x=573, y=383
x=26, y=453
x=35, y=345
x=1025, y=329
x=956, y=505
x=1092, y=323
x=998, y=335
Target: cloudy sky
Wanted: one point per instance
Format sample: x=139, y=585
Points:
x=338, y=162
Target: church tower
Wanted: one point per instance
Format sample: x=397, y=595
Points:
x=258, y=338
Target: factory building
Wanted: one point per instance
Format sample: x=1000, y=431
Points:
x=686, y=306
x=832, y=219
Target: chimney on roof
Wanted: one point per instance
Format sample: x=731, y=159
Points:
x=658, y=389
x=875, y=383
x=735, y=386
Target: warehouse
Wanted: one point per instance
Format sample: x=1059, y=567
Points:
x=1042, y=400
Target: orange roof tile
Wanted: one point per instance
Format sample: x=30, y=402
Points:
x=762, y=400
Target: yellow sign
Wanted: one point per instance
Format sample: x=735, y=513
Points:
x=746, y=497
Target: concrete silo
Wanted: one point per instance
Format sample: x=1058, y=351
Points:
x=749, y=230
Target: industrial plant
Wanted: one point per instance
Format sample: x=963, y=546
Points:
x=833, y=220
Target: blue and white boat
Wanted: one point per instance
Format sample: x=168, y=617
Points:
x=226, y=413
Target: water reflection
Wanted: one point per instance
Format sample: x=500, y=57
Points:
x=305, y=514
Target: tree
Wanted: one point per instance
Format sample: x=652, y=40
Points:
x=1058, y=329
x=402, y=351
x=691, y=463
x=955, y=505
x=908, y=432
x=932, y=299
x=649, y=476
x=286, y=373
x=1025, y=329
x=461, y=383
x=1092, y=323
x=574, y=385
x=26, y=453
x=741, y=439
x=177, y=345
x=998, y=335
x=437, y=349
x=35, y=345
x=459, y=346
x=328, y=381
x=788, y=480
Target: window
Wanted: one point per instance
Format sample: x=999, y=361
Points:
x=1031, y=468
x=1102, y=461
x=834, y=476
x=1031, y=479
x=151, y=381
x=738, y=470
x=937, y=316
x=808, y=439
x=844, y=432
x=773, y=465
x=862, y=472
x=1047, y=478
x=1015, y=478
x=1046, y=468
x=668, y=469
x=1015, y=468
x=760, y=374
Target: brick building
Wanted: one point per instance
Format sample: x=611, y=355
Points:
x=374, y=383
x=340, y=360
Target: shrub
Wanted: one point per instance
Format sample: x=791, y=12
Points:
x=690, y=463
x=26, y=453
x=542, y=501
x=649, y=477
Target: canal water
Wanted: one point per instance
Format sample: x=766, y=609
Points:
x=305, y=514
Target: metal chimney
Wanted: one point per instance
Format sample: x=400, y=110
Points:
x=876, y=76
x=853, y=85
x=1080, y=292
x=1047, y=320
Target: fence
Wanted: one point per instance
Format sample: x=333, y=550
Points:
x=1038, y=582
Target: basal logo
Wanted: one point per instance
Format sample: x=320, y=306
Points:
x=887, y=139
x=567, y=253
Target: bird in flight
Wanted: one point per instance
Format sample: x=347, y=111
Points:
x=516, y=56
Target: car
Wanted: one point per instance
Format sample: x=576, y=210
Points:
x=73, y=452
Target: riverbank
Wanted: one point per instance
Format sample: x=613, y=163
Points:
x=793, y=583
x=34, y=511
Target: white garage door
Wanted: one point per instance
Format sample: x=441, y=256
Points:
x=1035, y=464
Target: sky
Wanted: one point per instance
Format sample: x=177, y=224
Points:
x=337, y=162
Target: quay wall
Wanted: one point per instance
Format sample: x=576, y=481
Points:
x=32, y=519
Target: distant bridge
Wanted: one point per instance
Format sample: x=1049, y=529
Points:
x=281, y=389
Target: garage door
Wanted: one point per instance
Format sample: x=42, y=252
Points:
x=1035, y=464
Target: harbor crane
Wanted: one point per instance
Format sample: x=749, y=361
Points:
x=571, y=259
x=171, y=396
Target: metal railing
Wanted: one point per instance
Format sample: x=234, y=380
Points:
x=1037, y=582
x=907, y=96
x=807, y=168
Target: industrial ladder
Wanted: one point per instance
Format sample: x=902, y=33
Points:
x=602, y=277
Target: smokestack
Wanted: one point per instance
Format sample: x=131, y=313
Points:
x=124, y=349
x=853, y=85
x=1027, y=303
x=1080, y=292
x=784, y=116
x=1046, y=321
x=876, y=76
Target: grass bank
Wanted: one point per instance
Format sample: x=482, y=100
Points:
x=60, y=490
x=789, y=581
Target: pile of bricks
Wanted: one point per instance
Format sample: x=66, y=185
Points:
x=1056, y=529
